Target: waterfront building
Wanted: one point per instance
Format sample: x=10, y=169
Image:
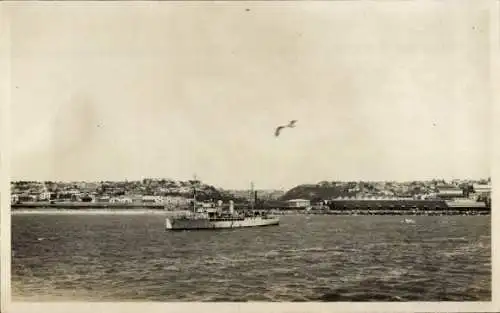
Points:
x=123, y=200
x=299, y=203
x=14, y=199
x=103, y=199
x=448, y=192
x=176, y=200
x=482, y=189
x=44, y=196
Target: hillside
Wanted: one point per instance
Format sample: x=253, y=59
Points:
x=316, y=192
x=407, y=189
x=156, y=187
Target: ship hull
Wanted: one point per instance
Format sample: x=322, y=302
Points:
x=187, y=224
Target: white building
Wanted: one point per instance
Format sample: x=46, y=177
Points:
x=114, y=200
x=44, y=196
x=482, y=189
x=123, y=200
x=449, y=192
x=103, y=199
x=176, y=200
x=126, y=200
x=299, y=203
x=14, y=199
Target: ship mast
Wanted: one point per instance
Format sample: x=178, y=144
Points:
x=195, y=180
x=252, y=196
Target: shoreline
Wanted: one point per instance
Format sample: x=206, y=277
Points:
x=90, y=212
x=354, y=209
x=165, y=213
x=95, y=211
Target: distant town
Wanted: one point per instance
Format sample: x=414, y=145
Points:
x=173, y=194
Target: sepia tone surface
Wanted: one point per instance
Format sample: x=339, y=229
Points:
x=321, y=258
x=380, y=92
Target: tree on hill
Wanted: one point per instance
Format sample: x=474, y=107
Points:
x=315, y=192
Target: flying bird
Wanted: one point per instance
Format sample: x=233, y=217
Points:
x=291, y=124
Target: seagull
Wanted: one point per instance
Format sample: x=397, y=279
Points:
x=291, y=124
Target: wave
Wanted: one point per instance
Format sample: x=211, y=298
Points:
x=134, y=258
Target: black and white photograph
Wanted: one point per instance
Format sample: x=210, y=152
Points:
x=266, y=151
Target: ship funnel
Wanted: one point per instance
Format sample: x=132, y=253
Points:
x=231, y=206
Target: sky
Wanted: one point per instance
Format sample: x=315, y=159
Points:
x=381, y=91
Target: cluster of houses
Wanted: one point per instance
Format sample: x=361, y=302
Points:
x=179, y=193
x=134, y=199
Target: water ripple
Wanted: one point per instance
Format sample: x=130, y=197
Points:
x=322, y=258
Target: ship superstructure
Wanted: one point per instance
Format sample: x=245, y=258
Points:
x=219, y=216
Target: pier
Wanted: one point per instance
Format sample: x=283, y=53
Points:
x=334, y=207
